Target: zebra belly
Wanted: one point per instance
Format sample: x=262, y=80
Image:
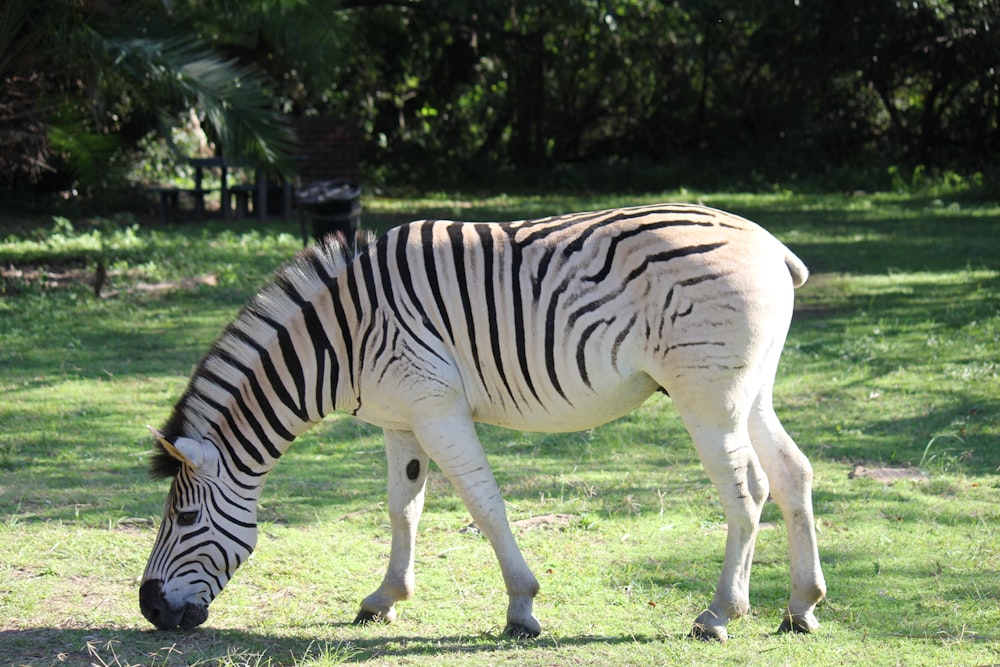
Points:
x=580, y=410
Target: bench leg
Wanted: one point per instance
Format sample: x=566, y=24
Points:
x=199, y=206
x=168, y=205
x=161, y=207
x=242, y=204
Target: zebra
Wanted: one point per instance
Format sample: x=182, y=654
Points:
x=556, y=324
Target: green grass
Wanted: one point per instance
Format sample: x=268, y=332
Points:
x=892, y=360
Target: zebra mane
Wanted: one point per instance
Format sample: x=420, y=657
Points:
x=318, y=264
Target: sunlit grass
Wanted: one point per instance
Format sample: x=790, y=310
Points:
x=892, y=360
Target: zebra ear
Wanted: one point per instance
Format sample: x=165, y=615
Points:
x=186, y=450
x=191, y=451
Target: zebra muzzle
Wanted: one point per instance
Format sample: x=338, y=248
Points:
x=163, y=615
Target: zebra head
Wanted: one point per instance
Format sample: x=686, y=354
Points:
x=209, y=528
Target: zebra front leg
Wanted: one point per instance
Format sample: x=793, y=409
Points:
x=455, y=447
x=407, y=474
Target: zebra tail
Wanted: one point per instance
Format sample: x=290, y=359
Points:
x=795, y=267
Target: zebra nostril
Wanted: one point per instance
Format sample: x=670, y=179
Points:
x=152, y=603
x=158, y=610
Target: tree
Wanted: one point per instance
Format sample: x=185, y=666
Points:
x=443, y=87
x=82, y=79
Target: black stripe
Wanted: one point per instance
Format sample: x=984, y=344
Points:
x=351, y=279
x=319, y=258
x=213, y=497
x=365, y=338
x=626, y=214
x=274, y=380
x=619, y=339
x=249, y=414
x=700, y=279
x=232, y=538
x=395, y=357
x=193, y=534
x=581, y=349
x=585, y=232
x=385, y=273
x=666, y=307
x=550, y=340
x=215, y=586
x=454, y=231
x=264, y=400
x=224, y=461
x=248, y=446
x=211, y=548
x=539, y=279
x=406, y=277
x=713, y=343
x=489, y=284
x=430, y=271
x=364, y=262
x=677, y=313
x=321, y=345
x=290, y=356
x=544, y=227
x=686, y=251
x=385, y=340
x=630, y=233
x=345, y=334
x=520, y=336
x=234, y=499
x=592, y=306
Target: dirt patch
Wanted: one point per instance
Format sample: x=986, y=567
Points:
x=52, y=277
x=545, y=521
x=100, y=281
x=542, y=521
x=887, y=476
x=208, y=279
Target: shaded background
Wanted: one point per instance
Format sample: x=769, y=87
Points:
x=491, y=94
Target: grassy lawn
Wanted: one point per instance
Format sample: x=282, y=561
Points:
x=893, y=360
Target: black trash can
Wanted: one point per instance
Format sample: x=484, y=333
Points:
x=332, y=207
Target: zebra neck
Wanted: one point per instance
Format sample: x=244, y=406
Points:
x=277, y=370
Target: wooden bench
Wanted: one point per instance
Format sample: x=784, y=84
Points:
x=242, y=192
x=168, y=206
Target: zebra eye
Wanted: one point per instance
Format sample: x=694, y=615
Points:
x=187, y=518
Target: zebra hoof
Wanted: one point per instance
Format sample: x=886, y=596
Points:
x=518, y=631
x=366, y=617
x=802, y=624
x=715, y=633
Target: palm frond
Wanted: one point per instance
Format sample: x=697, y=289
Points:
x=14, y=38
x=236, y=99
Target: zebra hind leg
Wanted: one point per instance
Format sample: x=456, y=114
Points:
x=723, y=444
x=407, y=475
x=790, y=476
x=742, y=488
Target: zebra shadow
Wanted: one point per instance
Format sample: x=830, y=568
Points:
x=329, y=644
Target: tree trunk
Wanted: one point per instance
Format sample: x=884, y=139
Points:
x=527, y=91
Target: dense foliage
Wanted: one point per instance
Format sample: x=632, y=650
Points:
x=450, y=89
x=792, y=86
x=84, y=81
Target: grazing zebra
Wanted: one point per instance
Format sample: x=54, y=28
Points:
x=558, y=324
